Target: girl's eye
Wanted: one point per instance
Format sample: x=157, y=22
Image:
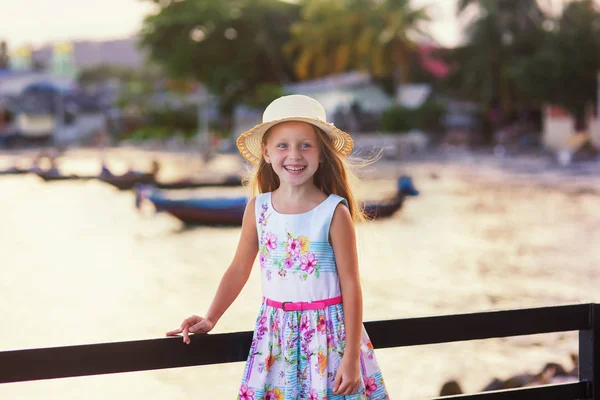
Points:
x=282, y=145
x=305, y=145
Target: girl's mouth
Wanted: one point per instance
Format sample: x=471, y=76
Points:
x=295, y=168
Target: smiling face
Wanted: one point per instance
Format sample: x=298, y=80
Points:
x=293, y=150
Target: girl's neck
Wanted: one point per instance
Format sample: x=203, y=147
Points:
x=298, y=194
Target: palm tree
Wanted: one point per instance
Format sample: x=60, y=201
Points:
x=338, y=35
x=503, y=36
x=311, y=39
x=397, y=26
x=564, y=71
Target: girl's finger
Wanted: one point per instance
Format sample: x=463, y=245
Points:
x=184, y=323
x=336, y=384
x=174, y=332
x=343, y=387
x=186, y=337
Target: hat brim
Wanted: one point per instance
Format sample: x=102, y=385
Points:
x=249, y=143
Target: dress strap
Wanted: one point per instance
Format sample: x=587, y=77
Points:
x=332, y=202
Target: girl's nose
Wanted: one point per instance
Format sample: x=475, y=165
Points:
x=294, y=154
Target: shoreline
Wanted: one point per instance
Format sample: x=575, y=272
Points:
x=481, y=166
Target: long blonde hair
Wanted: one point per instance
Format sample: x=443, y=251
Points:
x=332, y=177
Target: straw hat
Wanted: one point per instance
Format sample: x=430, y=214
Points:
x=292, y=108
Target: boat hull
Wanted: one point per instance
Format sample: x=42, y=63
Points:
x=230, y=210
x=191, y=184
x=193, y=216
x=127, y=182
x=14, y=172
x=376, y=210
x=54, y=178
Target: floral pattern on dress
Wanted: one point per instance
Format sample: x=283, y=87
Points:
x=273, y=393
x=297, y=260
x=267, y=241
x=246, y=393
x=295, y=355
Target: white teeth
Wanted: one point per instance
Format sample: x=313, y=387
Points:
x=295, y=169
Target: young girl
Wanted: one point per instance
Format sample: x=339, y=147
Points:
x=308, y=343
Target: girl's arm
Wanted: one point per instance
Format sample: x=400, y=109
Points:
x=343, y=241
x=232, y=282
x=237, y=274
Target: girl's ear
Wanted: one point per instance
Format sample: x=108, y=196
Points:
x=266, y=154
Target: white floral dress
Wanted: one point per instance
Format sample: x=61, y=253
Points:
x=296, y=354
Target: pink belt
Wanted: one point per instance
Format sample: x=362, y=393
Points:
x=303, y=305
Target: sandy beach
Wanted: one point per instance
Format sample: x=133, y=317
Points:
x=80, y=265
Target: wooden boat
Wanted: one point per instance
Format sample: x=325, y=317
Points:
x=230, y=210
x=49, y=176
x=14, y=171
x=229, y=181
x=384, y=209
x=196, y=211
x=128, y=181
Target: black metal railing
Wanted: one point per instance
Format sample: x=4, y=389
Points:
x=107, y=358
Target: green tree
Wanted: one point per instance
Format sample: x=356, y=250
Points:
x=339, y=35
x=102, y=73
x=501, y=39
x=564, y=71
x=4, y=58
x=233, y=47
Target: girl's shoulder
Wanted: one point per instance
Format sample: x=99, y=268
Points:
x=261, y=203
x=252, y=200
x=258, y=199
x=337, y=200
x=329, y=207
x=261, y=198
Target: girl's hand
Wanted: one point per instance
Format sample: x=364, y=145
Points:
x=193, y=324
x=347, y=378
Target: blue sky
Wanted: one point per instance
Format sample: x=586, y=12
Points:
x=38, y=22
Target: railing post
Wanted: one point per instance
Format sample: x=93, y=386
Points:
x=589, y=353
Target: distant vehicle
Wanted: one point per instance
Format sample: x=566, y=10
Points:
x=50, y=112
x=9, y=110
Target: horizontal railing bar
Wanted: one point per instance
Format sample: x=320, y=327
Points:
x=563, y=391
x=486, y=325
x=105, y=358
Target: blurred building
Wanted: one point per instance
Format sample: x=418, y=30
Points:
x=12, y=83
x=351, y=101
x=86, y=54
x=561, y=130
x=47, y=107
